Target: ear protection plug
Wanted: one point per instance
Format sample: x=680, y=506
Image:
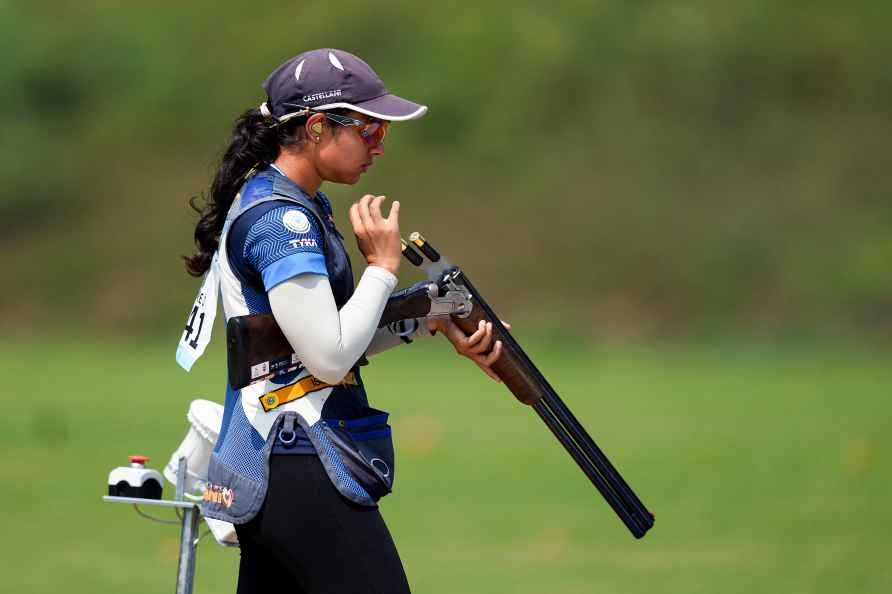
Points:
x=317, y=127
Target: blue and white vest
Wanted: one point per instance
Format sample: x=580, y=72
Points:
x=239, y=466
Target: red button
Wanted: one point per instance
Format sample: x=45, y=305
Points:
x=138, y=459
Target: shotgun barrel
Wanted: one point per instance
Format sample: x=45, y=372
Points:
x=521, y=376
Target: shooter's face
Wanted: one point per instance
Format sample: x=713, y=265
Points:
x=343, y=154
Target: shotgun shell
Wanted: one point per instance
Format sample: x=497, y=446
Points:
x=410, y=254
x=426, y=248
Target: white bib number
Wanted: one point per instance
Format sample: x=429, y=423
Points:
x=200, y=320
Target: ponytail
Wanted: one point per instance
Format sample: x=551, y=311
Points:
x=255, y=143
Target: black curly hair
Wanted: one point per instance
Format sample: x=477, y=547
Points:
x=256, y=142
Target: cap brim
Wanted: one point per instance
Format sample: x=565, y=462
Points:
x=386, y=107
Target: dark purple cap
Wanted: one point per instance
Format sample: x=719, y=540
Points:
x=330, y=79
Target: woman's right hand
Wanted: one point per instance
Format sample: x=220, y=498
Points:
x=378, y=237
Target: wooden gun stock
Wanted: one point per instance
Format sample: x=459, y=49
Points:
x=257, y=350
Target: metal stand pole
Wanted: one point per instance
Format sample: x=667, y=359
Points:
x=188, y=536
x=188, y=526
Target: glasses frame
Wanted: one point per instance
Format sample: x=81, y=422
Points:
x=341, y=120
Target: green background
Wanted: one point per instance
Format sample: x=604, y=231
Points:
x=683, y=207
x=767, y=469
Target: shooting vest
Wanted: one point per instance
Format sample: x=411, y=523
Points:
x=239, y=467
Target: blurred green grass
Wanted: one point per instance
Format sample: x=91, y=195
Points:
x=767, y=468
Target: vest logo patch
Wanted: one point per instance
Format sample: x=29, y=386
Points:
x=303, y=243
x=296, y=221
x=219, y=494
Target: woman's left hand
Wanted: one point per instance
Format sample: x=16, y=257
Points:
x=476, y=346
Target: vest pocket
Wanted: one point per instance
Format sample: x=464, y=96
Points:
x=365, y=445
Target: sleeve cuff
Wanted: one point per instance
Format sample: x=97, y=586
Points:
x=293, y=265
x=382, y=274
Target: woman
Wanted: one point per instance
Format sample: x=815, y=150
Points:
x=285, y=469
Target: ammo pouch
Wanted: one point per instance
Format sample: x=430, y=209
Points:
x=357, y=454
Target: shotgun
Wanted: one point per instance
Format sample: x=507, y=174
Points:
x=521, y=376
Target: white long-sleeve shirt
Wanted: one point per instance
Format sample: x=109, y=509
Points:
x=328, y=341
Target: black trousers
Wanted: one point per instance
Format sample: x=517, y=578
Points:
x=309, y=539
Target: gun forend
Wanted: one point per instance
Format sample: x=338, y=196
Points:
x=513, y=367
